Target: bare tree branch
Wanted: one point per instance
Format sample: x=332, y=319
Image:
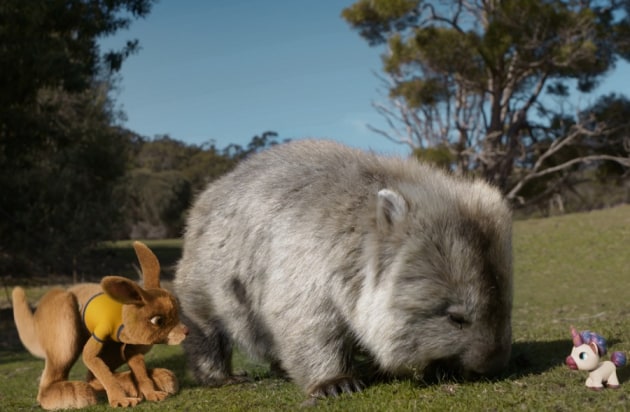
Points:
x=586, y=159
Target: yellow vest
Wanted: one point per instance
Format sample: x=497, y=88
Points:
x=102, y=316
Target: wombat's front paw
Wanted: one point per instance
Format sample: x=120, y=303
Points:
x=216, y=382
x=336, y=386
x=236, y=379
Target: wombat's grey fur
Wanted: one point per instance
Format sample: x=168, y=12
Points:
x=310, y=250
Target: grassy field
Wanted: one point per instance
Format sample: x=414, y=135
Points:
x=569, y=270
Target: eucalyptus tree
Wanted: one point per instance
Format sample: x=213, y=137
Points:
x=491, y=84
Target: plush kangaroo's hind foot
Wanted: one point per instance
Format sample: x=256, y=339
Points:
x=66, y=395
x=52, y=332
x=164, y=380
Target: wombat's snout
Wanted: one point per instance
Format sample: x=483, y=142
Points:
x=461, y=368
x=487, y=363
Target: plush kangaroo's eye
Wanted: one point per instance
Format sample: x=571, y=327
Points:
x=157, y=320
x=583, y=355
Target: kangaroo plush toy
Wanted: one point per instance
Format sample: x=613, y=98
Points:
x=109, y=324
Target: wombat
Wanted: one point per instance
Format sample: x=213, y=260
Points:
x=310, y=251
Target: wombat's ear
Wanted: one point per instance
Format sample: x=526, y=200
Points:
x=391, y=208
x=149, y=264
x=123, y=290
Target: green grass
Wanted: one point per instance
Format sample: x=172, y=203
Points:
x=569, y=270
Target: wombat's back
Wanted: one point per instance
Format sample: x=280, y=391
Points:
x=311, y=247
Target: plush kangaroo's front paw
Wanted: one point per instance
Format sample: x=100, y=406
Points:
x=124, y=402
x=336, y=386
x=125, y=381
x=155, y=396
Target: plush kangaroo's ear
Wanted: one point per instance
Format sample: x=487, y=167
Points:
x=391, y=208
x=123, y=290
x=149, y=264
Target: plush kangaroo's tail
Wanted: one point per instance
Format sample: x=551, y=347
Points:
x=618, y=358
x=25, y=323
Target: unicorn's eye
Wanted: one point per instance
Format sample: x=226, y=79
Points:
x=583, y=355
x=157, y=320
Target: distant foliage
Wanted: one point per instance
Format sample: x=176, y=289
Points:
x=166, y=174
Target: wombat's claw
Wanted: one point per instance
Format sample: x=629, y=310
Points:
x=337, y=386
x=237, y=378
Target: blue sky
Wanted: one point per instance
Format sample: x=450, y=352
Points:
x=226, y=70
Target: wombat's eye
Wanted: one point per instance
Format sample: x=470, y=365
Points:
x=583, y=355
x=157, y=320
x=458, y=320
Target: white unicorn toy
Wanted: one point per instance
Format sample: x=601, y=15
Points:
x=588, y=347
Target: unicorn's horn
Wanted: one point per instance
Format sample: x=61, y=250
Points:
x=577, y=339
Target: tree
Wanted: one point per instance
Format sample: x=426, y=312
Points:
x=64, y=198
x=61, y=153
x=484, y=78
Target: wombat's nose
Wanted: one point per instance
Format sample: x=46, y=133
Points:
x=444, y=369
x=487, y=363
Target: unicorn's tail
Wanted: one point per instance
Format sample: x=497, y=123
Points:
x=618, y=358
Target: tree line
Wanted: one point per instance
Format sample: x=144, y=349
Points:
x=164, y=176
x=483, y=88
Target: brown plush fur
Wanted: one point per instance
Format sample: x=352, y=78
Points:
x=56, y=333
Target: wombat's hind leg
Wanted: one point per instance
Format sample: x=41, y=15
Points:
x=320, y=360
x=209, y=353
x=336, y=386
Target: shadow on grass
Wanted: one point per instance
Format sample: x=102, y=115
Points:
x=623, y=374
x=534, y=358
x=14, y=355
